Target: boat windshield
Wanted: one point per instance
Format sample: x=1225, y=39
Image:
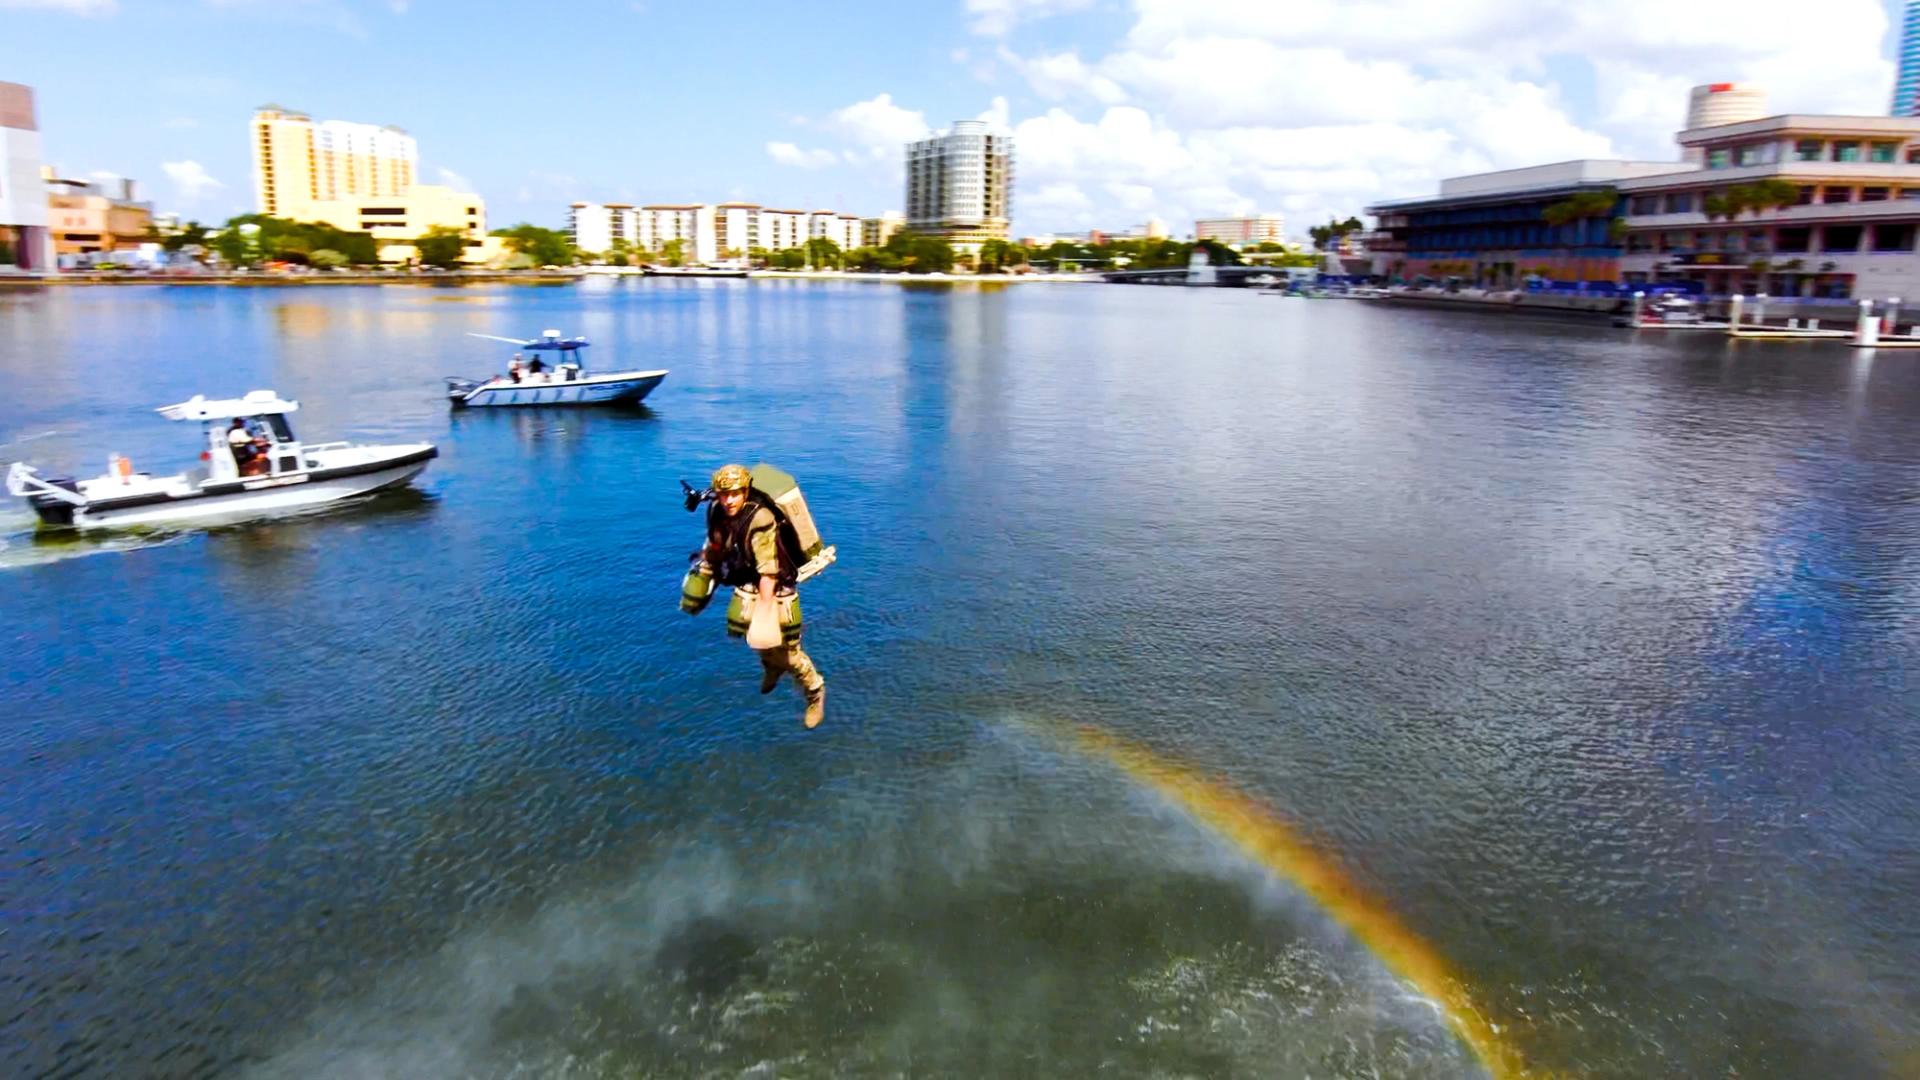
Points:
x=277, y=423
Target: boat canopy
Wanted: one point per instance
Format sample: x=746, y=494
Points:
x=256, y=403
x=548, y=341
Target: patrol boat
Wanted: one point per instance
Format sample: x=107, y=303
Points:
x=270, y=473
x=565, y=383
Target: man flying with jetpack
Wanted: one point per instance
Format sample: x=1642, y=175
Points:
x=758, y=531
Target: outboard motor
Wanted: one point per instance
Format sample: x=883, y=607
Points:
x=52, y=509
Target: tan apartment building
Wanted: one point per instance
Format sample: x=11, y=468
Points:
x=357, y=177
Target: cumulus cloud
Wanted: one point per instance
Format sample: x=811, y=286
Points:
x=786, y=153
x=877, y=123
x=190, y=180
x=1320, y=107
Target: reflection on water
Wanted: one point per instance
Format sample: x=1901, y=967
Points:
x=1457, y=695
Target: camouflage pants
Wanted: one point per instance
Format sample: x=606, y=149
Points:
x=790, y=658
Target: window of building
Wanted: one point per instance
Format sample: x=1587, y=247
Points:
x=1846, y=150
x=1791, y=240
x=1679, y=202
x=1645, y=204
x=1831, y=194
x=1718, y=159
x=1882, y=151
x=1873, y=194
x=375, y=211
x=1757, y=240
x=1750, y=154
x=1806, y=195
x=1840, y=238
x=1893, y=237
x=1910, y=193
x=1809, y=150
x=1913, y=155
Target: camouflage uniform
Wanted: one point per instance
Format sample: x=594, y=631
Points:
x=743, y=555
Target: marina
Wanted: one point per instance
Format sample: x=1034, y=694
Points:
x=1479, y=696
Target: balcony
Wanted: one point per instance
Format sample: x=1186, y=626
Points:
x=1810, y=214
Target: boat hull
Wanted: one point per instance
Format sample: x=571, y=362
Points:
x=598, y=390
x=264, y=497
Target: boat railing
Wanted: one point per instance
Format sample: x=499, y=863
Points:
x=22, y=481
x=338, y=444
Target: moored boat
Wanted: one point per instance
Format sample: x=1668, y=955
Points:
x=564, y=382
x=254, y=466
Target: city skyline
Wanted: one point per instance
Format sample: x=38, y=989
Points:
x=1119, y=111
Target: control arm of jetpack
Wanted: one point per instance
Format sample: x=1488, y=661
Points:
x=694, y=496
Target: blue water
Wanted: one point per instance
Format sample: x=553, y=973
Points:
x=1587, y=652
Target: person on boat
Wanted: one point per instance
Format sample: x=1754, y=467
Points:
x=536, y=367
x=513, y=368
x=744, y=548
x=246, y=448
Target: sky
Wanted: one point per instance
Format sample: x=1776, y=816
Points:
x=1120, y=109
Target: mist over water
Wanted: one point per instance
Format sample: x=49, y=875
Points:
x=1584, y=654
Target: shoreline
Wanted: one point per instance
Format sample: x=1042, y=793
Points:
x=73, y=278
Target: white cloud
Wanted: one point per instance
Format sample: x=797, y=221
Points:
x=89, y=8
x=996, y=17
x=877, y=123
x=785, y=153
x=453, y=179
x=190, y=179
x=1319, y=107
x=1063, y=76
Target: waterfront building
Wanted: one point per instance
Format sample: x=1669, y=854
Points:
x=736, y=227
x=960, y=185
x=1906, y=86
x=1721, y=103
x=24, y=238
x=1492, y=228
x=782, y=229
x=593, y=227
x=842, y=229
x=89, y=218
x=876, y=231
x=1242, y=231
x=357, y=177
x=689, y=223
x=1852, y=190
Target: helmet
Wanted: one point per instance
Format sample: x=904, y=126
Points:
x=732, y=478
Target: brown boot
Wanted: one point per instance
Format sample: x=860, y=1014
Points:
x=816, y=708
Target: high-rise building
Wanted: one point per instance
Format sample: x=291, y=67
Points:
x=358, y=177
x=1906, y=86
x=1236, y=232
x=960, y=184
x=24, y=241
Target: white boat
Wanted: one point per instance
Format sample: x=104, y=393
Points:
x=564, y=383
x=272, y=472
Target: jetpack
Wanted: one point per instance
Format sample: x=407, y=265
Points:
x=779, y=492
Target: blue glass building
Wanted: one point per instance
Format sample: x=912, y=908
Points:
x=1907, y=84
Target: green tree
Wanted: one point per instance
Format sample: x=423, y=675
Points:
x=193, y=234
x=545, y=247
x=441, y=245
x=674, y=252
x=822, y=252
x=327, y=258
x=920, y=254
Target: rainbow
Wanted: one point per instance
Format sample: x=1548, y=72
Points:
x=1271, y=842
